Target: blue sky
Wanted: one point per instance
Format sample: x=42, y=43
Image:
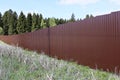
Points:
x=61, y=8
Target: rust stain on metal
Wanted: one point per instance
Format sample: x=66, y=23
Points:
x=91, y=42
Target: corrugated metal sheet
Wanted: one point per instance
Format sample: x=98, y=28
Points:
x=94, y=42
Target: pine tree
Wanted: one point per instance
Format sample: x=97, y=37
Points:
x=72, y=19
x=12, y=22
x=46, y=20
x=29, y=22
x=37, y=22
x=1, y=23
x=9, y=20
x=34, y=22
x=57, y=21
x=21, y=25
x=5, y=23
x=62, y=21
x=40, y=21
x=87, y=16
x=91, y=16
x=15, y=18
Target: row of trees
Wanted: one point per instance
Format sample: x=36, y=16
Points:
x=11, y=23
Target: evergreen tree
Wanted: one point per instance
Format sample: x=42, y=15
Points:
x=72, y=19
x=46, y=20
x=52, y=22
x=5, y=23
x=87, y=16
x=21, y=25
x=37, y=22
x=14, y=21
x=62, y=21
x=29, y=22
x=1, y=23
x=1, y=29
x=34, y=22
x=9, y=20
x=12, y=24
x=57, y=21
x=91, y=16
x=40, y=21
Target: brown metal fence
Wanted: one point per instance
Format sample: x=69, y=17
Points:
x=94, y=42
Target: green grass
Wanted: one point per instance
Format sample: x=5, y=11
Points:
x=19, y=64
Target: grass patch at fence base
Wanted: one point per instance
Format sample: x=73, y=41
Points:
x=19, y=64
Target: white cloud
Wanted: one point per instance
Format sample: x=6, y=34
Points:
x=78, y=2
x=115, y=1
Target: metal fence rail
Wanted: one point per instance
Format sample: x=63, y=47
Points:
x=94, y=42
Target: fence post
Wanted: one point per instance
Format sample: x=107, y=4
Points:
x=49, y=41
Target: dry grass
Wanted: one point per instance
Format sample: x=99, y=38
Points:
x=19, y=64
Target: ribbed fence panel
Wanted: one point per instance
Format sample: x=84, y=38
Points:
x=94, y=42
